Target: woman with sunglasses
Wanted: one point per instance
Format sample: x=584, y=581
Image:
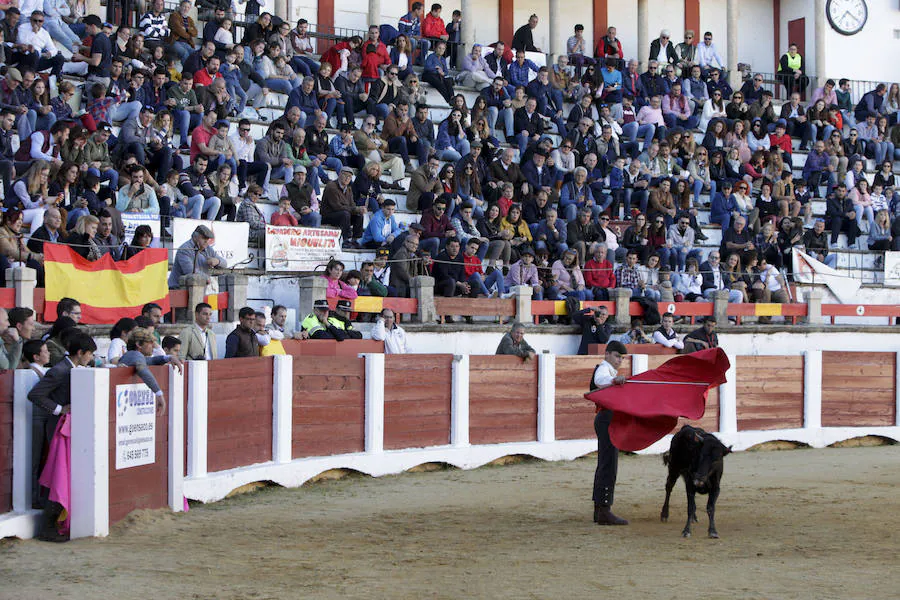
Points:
x=700, y=179
x=758, y=138
x=713, y=109
x=656, y=241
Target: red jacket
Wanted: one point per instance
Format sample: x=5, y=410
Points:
x=381, y=52
x=333, y=57
x=783, y=142
x=473, y=265
x=503, y=204
x=599, y=274
x=433, y=27
x=604, y=48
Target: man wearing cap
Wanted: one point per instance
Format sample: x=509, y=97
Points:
x=340, y=318
x=242, y=341
x=15, y=98
x=780, y=141
x=195, y=256
x=317, y=326
x=35, y=49
x=340, y=210
x=303, y=198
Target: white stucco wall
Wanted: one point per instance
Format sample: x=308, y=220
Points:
x=665, y=14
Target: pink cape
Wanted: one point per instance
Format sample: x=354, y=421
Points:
x=57, y=474
x=645, y=413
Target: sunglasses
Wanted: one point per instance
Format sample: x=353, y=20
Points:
x=438, y=209
x=37, y=20
x=245, y=129
x=758, y=80
x=604, y=218
x=370, y=124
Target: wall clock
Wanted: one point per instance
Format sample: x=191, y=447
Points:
x=847, y=17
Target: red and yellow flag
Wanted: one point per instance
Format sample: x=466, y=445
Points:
x=107, y=290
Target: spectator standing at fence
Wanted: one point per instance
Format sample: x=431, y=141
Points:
x=141, y=353
x=242, y=341
x=703, y=338
x=513, y=344
x=195, y=256
x=198, y=339
x=792, y=71
x=388, y=331
x=51, y=397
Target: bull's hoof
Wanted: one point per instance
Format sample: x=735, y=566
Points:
x=685, y=534
x=714, y=535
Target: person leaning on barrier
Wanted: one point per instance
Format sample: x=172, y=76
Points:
x=514, y=344
x=198, y=340
x=139, y=354
x=243, y=341
x=195, y=256
x=316, y=325
x=51, y=397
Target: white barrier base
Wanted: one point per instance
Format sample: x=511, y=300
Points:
x=20, y=525
x=216, y=486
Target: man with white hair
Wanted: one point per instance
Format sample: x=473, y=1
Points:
x=662, y=50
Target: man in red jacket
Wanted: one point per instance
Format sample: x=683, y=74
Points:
x=433, y=26
x=599, y=275
x=381, y=53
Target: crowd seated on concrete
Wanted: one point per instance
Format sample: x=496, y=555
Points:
x=576, y=178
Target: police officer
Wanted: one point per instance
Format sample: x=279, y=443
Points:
x=340, y=318
x=606, y=374
x=317, y=325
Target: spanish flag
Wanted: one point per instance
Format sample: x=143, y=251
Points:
x=107, y=290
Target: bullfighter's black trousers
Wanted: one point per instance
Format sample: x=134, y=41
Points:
x=607, y=460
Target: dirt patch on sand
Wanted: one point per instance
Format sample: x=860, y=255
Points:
x=805, y=524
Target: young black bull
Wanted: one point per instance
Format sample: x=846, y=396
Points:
x=699, y=458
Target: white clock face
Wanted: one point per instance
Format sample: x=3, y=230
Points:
x=847, y=16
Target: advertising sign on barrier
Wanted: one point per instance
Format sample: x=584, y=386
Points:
x=892, y=269
x=135, y=426
x=131, y=222
x=300, y=248
x=230, y=242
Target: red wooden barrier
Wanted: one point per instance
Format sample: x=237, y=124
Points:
x=859, y=389
x=329, y=405
x=298, y=348
x=6, y=440
x=39, y=307
x=7, y=297
x=146, y=486
x=240, y=412
x=769, y=392
x=502, y=399
x=417, y=396
x=575, y=414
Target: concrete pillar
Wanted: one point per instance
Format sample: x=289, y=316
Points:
x=236, y=286
x=374, y=403
x=814, y=306
x=557, y=45
x=195, y=284
x=821, y=29
x=24, y=279
x=459, y=409
x=282, y=409
x=467, y=34
x=812, y=389
x=546, y=432
x=643, y=11
x=732, y=14
x=666, y=293
x=374, y=12
x=622, y=298
x=281, y=9
x=423, y=291
x=523, y=303
x=720, y=308
x=311, y=289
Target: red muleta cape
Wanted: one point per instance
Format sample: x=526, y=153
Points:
x=645, y=413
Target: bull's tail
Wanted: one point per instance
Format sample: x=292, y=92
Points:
x=666, y=458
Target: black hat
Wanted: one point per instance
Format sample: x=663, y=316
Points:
x=526, y=250
x=89, y=20
x=321, y=304
x=344, y=305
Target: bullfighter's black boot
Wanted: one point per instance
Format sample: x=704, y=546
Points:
x=602, y=514
x=49, y=531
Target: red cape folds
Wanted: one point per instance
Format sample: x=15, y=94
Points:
x=644, y=413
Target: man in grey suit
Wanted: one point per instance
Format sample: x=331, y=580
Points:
x=198, y=342
x=51, y=397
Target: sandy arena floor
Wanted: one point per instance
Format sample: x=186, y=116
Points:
x=811, y=524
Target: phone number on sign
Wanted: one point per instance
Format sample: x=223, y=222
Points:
x=136, y=454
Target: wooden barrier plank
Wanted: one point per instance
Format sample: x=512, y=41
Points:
x=6, y=440
x=574, y=413
x=859, y=389
x=484, y=307
x=328, y=406
x=417, y=399
x=146, y=486
x=769, y=392
x=502, y=399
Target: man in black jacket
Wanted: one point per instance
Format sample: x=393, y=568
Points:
x=242, y=341
x=450, y=272
x=51, y=397
x=652, y=82
x=523, y=38
x=841, y=217
x=528, y=124
x=594, y=328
